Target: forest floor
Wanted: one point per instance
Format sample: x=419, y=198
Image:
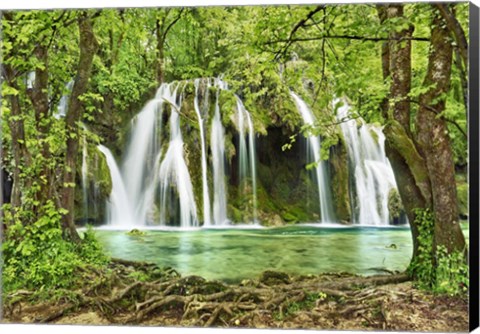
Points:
x=132, y=293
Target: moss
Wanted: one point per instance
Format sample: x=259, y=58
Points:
x=189, y=87
x=228, y=106
x=235, y=214
x=136, y=233
x=340, y=181
x=290, y=218
x=399, y=139
x=395, y=206
x=270, y=277
x=101, y=175
x=462, y=197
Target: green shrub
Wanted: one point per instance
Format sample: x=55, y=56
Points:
x=37, y=257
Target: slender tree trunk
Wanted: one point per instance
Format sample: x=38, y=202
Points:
x=159, y=66
x=39, y=97
x=435, y=142
x=21, y=155
x=88, y=48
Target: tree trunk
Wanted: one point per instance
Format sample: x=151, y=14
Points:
x=21, y=155
x=410, y=171
x=159, y=65
x=39, y=97
x=400, y=69
x=88, y=48
x=435, y=142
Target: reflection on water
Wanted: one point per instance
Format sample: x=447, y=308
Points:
x=235, y=254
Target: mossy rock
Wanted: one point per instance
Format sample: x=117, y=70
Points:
x=137, y=233
x=290, y=218
x=270, y=277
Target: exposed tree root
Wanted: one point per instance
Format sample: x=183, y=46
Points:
x=274, y=300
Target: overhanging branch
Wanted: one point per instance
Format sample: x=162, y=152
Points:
x=351, y=37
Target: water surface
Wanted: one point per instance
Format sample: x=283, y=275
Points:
x=235, y=254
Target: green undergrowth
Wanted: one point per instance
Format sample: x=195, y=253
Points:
x=37, y=258
x=437, y=271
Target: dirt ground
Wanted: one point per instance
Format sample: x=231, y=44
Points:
x=275, y=300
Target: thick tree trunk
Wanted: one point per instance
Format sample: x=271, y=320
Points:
x=410, y=170
x=88, y=48
x=400, y=68
x=435, y=142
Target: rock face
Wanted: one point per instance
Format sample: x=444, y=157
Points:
x=340, y=182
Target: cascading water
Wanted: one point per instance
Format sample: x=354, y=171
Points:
x=217, y=143
x=156, y=187
x=313, y=143
x=374, y=178
x=206, y=196
x=118, y=209
x=247, y=165
x=146, y=169
x=137, y=167
x=174, y=171
x=173, y=176
x=85, y=174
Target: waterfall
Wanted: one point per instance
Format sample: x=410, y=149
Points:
x=146, y=170
x=253, y=168
x=374, y=178
x=246, y=158
x=63, y=104
x=313, y=146
x=119, y=210
x=154, y=186
x=217, y=143
x=137, y=169
x=85, y=174
x=31, y=79
x=206, y=197
x=174, y=171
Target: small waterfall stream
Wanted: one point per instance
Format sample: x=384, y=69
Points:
x=314, y=144
x=217, y=143
x=119, y=208
x=206, y=196
x=247, y=165
x=63, y=104
x=85, y=174
x=374, y=178
x=174, y=172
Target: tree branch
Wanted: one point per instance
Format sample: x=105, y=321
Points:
x=299, y=25
x=352, y=37
x=435, y=111
x=172, y=23
x=455, y=28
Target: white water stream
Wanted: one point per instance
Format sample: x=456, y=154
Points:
x=314, y=144
x=374, y=178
